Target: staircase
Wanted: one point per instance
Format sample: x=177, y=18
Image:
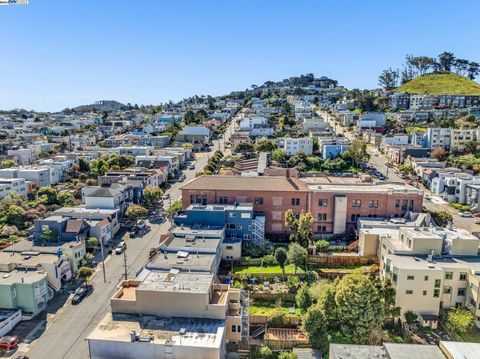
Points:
x=245, y=299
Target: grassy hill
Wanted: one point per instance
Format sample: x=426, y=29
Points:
x=441, y=84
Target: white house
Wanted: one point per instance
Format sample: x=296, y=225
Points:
x=292, y=146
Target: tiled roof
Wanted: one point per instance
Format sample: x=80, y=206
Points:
x=104, y=192
x=74, y=225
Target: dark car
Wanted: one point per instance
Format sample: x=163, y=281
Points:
x=81, y=293
x=9, y=342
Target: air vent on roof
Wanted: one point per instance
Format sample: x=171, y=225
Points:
x=182, y=331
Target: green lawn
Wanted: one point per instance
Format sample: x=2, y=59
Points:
x=267, y=308
x=471, y=336
x=412, y=129
x=441, y=84
x=289, y=269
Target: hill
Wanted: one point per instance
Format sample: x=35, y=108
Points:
x=105, y=105
x=441, y=84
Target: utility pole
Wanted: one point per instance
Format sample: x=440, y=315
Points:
x=103, y=262
x=125, y=262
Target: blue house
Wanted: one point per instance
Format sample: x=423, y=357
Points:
x=333, y=150
x=239, y=220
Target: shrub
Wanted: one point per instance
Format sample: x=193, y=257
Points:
x=277, y=318
x=410, y=317
x=460, y=319
x=269, y=260
x=322, y=245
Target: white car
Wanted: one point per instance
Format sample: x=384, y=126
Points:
x=466, y=214
x=120, y=248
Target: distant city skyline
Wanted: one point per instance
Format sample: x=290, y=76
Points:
x=59, y=54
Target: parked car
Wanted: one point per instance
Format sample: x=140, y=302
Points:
x=81, y=293
x=192, y=166
x=141, y=224
x=8, y=342
x=166, y=196
x=477, y=221
x=120, y=247
x=466, y=214
x=182, y=178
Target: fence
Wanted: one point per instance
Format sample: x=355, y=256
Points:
x=340, y=259
x=293, y=321
x=272, y=296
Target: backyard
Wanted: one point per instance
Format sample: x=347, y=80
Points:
x=268, y=308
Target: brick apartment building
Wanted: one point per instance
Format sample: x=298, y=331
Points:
x=335, y=203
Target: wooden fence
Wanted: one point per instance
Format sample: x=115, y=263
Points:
x=340, y=259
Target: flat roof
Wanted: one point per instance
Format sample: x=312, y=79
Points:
x=375, y=187
x=240, y=183
x=221, y=207
x=185, y=282
x=351, y=351
x=28, y=258
x=26, y=245
x=19, y=276
x=461, y=350
x=188, y=261
x=206, y=333
x=409, y=351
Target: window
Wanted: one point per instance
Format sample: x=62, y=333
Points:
x=397, y=203
x=410, y=277
x=14, y=292
x=424, y=292
x=247, y=237
x=436, y=293
x=321, y=228
x=258, y=200
x=461, y=292
x=409, y=291
x=356, y=203
x=204, y=199
x=192, y=199
x=437, y=283
x=394, y=277
x=229, y=248
x=448, y=275
x=231, y=226
x=322, y=216
x=354, y=217
x=447, y=290
x=404, y=204
x=234, y=328
x=245, y=215
x=463, y=276
x=295, y=201
x=410, y=207
x=239, y=227
x=223, y=200
x=323, y=202
x=239, y=328
x=373, y=204
x=425, y=278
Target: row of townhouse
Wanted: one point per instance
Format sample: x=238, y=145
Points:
x=335, y=203
x=404, y=101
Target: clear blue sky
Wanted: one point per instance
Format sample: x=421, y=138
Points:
x=62, y=53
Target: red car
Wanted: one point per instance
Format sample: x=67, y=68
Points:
x=9, y=342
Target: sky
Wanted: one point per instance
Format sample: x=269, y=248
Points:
x=64, y=53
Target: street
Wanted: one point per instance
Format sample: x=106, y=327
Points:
x=63, y=335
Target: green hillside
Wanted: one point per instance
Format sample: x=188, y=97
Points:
x=441, y=84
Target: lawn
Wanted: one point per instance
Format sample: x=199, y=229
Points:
x=472, y=335
x=289, y=269
x=412, y=129
x=441, y=84
x=267, y=308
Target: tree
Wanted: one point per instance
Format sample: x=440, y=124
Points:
x=189, y=117
x=134, y=212
x=265, y=145
x=358, y=307
x=441, y=218
x=387, y=297
x=303, y=299
x=315, y=324
x=471, y=146
x=473, y=70
x=460, y=319
x=410, y=317
x=322, y=245
x=277, y=318
x=85, y=273
x=279, y=155
x=7, y=164
x=83, y=165
x=296, y=254
x=287, y=355
x=326, y=302
x=291, y=221
x=244, y=147
x=50, y=193
x=174, y=208
x=281, y=257
x=446, y=61
x=265, y=352
x=66, y=199
x=388, y=79
x=49, y=235
x=461, y=66
x=151, y=195
x=91, y=242
x=438, y=153
x=406, y=169
x=305, y=231
x=358, y=152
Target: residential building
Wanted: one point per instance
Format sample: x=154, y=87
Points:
x=438, y=137
x=459, y=138
x=8, y=185
x=64, y=229
x=23, y=156
x=335, y=204
x=399, y=101
x=40, y=174
x=396, y=139
x=198, y=136
x=292, y=146
x=115, y=196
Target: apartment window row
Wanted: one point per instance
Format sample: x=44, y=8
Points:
x=236, y=328
x=462, y=276
x=405, y=204
x=233, y=226
x=198, y=199
x=356, y=203
x=321, y=229
x=223, y=200
x=373, y=204
x=259, y=200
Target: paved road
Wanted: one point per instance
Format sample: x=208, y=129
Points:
x=64, y=336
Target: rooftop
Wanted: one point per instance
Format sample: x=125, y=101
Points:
x=21, y=276
x=461, y=350
x=182, y=260
x=262, y=183
x=174, y=280
x=344, y=185
x=198, y=332
x=24, y=245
